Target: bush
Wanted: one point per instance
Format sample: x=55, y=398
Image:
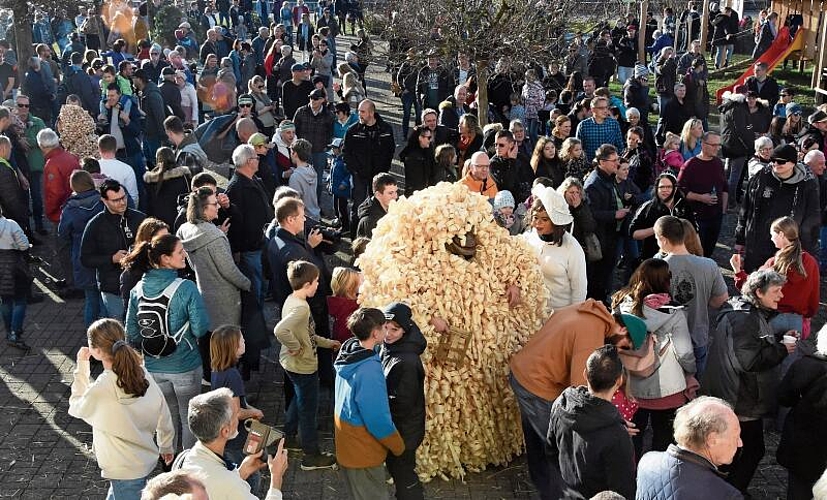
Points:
x=164, y=24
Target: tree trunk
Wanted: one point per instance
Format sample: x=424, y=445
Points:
x=482, y=93
x=22, y=37
x=641, y=33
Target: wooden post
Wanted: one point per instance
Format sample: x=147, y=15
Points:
x=704, y=25
x=641, y=32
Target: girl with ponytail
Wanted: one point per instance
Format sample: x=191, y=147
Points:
x=801, y=291
x=125, y=408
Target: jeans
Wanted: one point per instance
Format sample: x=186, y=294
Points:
x=600, y=274
x=301, y=413
x=534, y=415
x=720, y=56
x=780, y=325
x=708, y=231
x=823, y=249
x=532, y=125
x=340, y=210
x=624, y=73
x=319, y=164
x=700, y=360
x=736, y=177
x=113, y=306
x=409, y=99
x=14, y=313
x=178, y=389
x=125, y=489
x=236, y=455
x=749, y=456
x=401, y=469
x=93, y=307
x=138, y=164
x=150, y=147
x=367, y=483
x=250, y=266
x=36, y=193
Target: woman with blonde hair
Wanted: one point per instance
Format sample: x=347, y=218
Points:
x=691, y=135
x=125, y=408
x=561, y=130
x=345, y=285
x=351, y=90
x=470, y=137
x=264, y=108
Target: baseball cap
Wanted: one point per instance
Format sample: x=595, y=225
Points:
x=297, y=67
x=336, y=143
x=317, y=94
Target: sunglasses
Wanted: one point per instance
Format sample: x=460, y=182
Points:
x=245, y=105
x=22, y=105
x=779, y=161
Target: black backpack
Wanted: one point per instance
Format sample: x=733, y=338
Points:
x=156, y=339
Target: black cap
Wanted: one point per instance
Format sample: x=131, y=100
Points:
x=317, y=94
x=786, y=152
x=168, y=71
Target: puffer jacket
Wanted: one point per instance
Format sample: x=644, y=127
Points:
x=103, y=237
x=743, y=361
x=669, y=326
x=767, y=198
x=77, y=212
x=186, y=305
x=678, y=474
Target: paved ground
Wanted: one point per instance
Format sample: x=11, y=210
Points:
x=44, y=453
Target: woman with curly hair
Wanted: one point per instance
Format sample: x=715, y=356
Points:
x=574, y=158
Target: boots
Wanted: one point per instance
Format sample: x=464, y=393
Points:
x=14, y=339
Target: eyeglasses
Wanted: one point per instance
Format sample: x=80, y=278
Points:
x=484, y=167
x=501, y=145
x=22, y=105
x=122, y=199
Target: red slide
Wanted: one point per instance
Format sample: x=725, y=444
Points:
x=778, y=51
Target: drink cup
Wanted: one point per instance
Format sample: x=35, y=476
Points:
x=789, y=340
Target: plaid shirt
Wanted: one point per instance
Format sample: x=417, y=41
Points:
x=593, y=135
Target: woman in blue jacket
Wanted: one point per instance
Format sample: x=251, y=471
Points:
x=177, y=370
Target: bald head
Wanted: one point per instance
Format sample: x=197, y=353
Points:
x=479, y=167
x=367, y=112
x=708, y=426
x=245, y=128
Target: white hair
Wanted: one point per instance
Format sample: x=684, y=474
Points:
x=242, y=155
x=812, y=155
x=47, y=138
x=762, y=142
x=632, y=112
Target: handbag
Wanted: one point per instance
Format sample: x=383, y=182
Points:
x=592, y=248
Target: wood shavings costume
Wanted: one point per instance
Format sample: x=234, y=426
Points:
x=77, y=131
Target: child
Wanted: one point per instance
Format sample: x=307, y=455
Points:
x=505, y=215
x=226, y=348
x=670, y=158
x=517, y=109
x=405, y=379
x=365, y=432
x=125, y=102
x=340, y=184
x=300, y=362
x=571, y=153
x=304, y=178
x=345, y=285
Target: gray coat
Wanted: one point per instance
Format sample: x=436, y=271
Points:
x=219, y=279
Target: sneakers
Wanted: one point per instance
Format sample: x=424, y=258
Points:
x=292, y=443
x=319, y=461
x=15, y=341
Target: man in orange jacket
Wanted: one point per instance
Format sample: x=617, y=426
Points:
x=554, y=359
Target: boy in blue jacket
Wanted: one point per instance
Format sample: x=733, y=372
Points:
x=364, y=429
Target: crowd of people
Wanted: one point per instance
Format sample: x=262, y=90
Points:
x=186, y=191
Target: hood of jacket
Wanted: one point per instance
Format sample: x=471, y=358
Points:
x=371, y=206
x=597, y=309
x=730, y=100
x=654, y=318
x=800, y=174
x=281, y=144
x=412, y=340
x=155, y=175
x=87, y=200
x=351, y=356
x=306, y=175
x=196, y=236
x=583, y=412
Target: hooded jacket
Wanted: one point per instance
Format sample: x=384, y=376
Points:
x=767, y=198
x=219, y=279
x=364, y=427
x=739, y=126
x=650, y=212
x=123, y=426
x=555, y=356
x=78, y=211
x=405, y=377
x=369, y=212
x=587, y=439
x=304, y=180
x=163, y=190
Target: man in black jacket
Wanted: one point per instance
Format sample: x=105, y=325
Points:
x=152, y=104
x=105, y=242
x=314, y=122
x=78, y=82
x=170, y=92
x=368, y=150
x=246, y=191
x=587, y=437
x=509, y=173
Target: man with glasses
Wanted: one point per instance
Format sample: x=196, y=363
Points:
x=477, y=179
x=508, y=173
x=106, y=241
x=599, y=129
x=785, y=102
x=786, y=189
x=155, y=64
x=609, y=213
x=34, y=156
x=703, y=183
x=314, y=122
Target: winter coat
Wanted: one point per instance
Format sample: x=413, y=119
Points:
x=318, y=128
x=340, y=178
x=743, y=360
x=584, y=223
x=768, y=198
x=14, y=201
x=368, y=150
x=534, y=97
x=185, y=306
x=601, y=192
x=364, y=428
x=765, y=39
x=803, y=446
x=12, y=242
x=697, y=93
x=666, y=76
x=512, y=175
x=102, y=238
x=678, y=474
x=405, y=379
x=419, y=167
x=304, y=181
x=769, y=91
x=282, y=249
x=449, y=113
x=78, y=211
x=601, y=65
x=668, y=325
x=636, y=95
x=588, y=443
x=736, y=138
x=219, y=279
x=255, y=213
x=650, y=212
x=626, y=52
x=444, y=89
x=369, y=212
x=59, y=166
x=340, y=309
x=163, y=190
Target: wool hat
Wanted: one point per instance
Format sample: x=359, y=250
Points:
x=786, y=152
x=400, y=314
x=503, y=199
x=818, y=116
x=641, y=71
x=245, y=99
x=168, y=71
x=636, y=328
x=794, y=108
x=554, y=203
x=286, y=125
x=258, y=139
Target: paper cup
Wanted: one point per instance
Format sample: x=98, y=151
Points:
x=789, y=340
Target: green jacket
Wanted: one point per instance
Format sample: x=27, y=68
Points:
x=34, y=155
